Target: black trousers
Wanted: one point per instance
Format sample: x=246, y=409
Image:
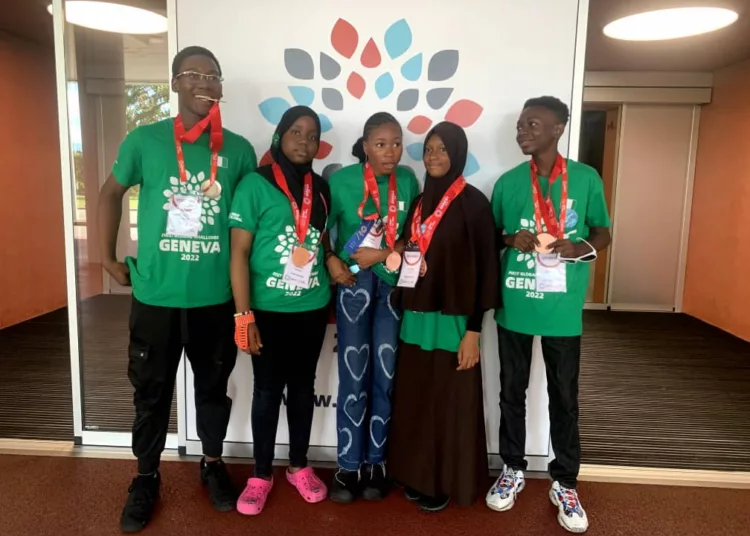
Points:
x=562, y=358
x=289, y=358
x=158, y=336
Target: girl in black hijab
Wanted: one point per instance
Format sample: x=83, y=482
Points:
x=437, y=443
x=278, y=220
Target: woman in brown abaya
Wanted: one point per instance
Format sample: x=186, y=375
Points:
x=438, y=448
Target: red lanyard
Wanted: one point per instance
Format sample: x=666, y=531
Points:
x=216, y=140
x=423, y=239
x=301, y=218
x=371, y=190
x=554, y=227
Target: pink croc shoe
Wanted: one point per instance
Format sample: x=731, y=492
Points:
x=312, y=489
x=253, y=499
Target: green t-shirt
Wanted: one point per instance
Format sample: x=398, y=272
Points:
x=263, y=210
x=525, y=310
x=433, y=331
x=348, y=189
x=171, y=270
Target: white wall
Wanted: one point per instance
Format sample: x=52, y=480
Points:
x=507, y=52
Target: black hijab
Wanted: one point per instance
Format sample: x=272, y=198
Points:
x=295, y=173
x=462, y=261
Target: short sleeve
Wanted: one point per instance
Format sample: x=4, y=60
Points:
x=496, y=203
x=245, y=213
x=597, y=214
x=415, y=188
x=127, y=169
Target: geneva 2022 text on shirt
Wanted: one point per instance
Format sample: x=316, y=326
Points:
x=347, y=191
x=263, y=210
x=525, y=310
x=178, y=271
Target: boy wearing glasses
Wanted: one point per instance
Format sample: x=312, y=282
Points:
x=187, y=169
x=552, y=218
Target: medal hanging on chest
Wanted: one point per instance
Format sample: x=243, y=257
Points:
x=184, y=210
x=550, y=273
x=210, y=187
x=298, y=272
x=422, y=232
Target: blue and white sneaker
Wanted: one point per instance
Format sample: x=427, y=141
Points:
x=502, y=495
x=571, y=515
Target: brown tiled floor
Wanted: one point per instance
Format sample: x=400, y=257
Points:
x=82, y=497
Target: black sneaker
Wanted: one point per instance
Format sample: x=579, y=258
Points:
x=412, y=495
x=434, y=504
x=142, y=496
x=221, y=490
x=377, y=483
x=345, y=487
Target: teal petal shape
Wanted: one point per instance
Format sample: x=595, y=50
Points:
x=384, y=85
x=272, y=109
x=415, y=151
x=304, y=96
x=412, y=69
x=472, y=166
x=398, y=38
x=325, y=123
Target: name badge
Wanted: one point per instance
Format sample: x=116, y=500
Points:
x=410, y=267
x=369, y=235
x=299, y=276
x=551, y=275
x=184, y=215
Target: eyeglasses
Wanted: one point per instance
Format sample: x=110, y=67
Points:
x=193, y=76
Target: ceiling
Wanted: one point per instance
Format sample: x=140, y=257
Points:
x=29, y=20
x=700, y=53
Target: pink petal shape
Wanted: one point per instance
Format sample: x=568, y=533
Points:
x=266, y=160
x=419, y=124
x=370, y=55
x=344, y=38
x=356, y=85
x=464, y=113
x=324, y=150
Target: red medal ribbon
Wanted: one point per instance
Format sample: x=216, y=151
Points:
x=216, y=140
x=423, y=239
x=301, y=217
x=554, y=227
x=371, y=190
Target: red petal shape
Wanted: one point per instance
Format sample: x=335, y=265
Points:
x=370, y=55
x=324, y=150
x=356, y=85
x=464, y=113
x=419, y=124
x=344, y=38
x=266, y=160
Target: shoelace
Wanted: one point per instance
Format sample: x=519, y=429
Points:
x=372, y=469
x=508, y=480
x=569, y=499
x=341, y=481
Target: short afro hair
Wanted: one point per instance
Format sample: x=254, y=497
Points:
x=553, y=104
x=188, y=52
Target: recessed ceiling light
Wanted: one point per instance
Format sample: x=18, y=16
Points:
x=109, y=17
x=670, y=23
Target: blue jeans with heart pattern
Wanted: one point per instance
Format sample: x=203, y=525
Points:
x=367, y=327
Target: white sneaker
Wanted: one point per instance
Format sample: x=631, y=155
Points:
x=571, y=514
x=502, y=495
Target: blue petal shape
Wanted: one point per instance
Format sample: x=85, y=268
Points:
x=415, y=151
x=384, y=85
x=273, y=108
x=325, y=123
x=412, y=69
x=472, y=166
x=304, y=96
x=398, y=38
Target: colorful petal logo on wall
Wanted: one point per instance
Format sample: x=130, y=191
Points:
x=340, y=84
